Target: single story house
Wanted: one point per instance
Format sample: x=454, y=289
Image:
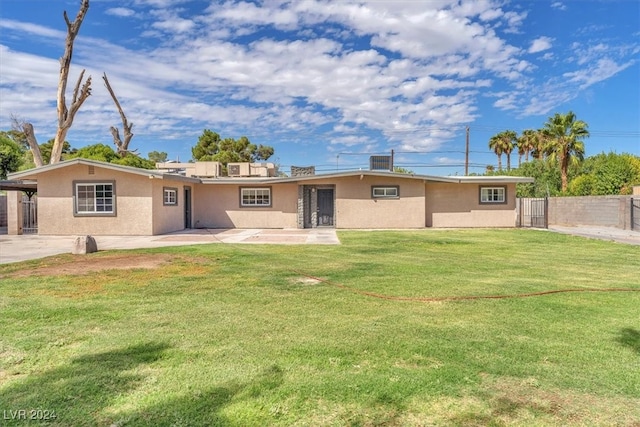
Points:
x=81, y=196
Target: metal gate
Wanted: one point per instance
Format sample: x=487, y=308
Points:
x=29, y=215
x=533, y=212
x=635, y=214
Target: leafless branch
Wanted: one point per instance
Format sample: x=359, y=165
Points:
x=65, y=114
x=122, y=146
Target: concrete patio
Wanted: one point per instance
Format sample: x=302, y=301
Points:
x=20, y=248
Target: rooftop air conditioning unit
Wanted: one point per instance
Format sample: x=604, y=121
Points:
x=238, y=169
x=263, y=169
x=377, y=163
x=207, y=169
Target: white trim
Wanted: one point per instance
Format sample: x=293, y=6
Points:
x=255, y=197
x=106, y=202
x=493, y=195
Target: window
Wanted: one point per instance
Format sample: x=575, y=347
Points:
x=255, y=197
x=94, y=198
x=170, y=197
x=389, y=192
x=493, y=195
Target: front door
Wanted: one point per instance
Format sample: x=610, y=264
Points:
x=187, y=207
x=325, y=207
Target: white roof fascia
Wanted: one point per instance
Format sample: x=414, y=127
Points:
x=496, y=179
x=104, y=165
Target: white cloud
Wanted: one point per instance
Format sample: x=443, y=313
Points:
x=597, y=72
x=558, y=5
x=406, y=74
x=122, y=12
x=540, y=44
x=31, y=29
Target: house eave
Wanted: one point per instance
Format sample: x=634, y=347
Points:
x=33, y=173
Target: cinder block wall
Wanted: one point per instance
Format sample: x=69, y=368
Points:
x=599, y=211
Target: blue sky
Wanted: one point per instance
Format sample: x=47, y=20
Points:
x=328, y=83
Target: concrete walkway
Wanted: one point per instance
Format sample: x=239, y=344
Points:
x=25, y=247
x=613, y=234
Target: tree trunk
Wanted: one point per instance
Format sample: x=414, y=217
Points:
x=500, y=162
x=27, y=128
x=66, y=115
x=564, y=166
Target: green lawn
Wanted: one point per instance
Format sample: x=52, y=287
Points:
x=242, y=335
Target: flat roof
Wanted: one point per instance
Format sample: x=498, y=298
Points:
x=33, y=173
x=389, y=174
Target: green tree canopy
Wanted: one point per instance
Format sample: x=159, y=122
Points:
x=100, y=152
x=158, y=156
x=105, y=153
x=605, y=174
x=47, y=147
x=398, y=169
x=11, y=156
x=16, y=136
x=210, y=147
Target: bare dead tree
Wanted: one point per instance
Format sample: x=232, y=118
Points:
x=27, y=129
x=81, y=91
x=122, y=146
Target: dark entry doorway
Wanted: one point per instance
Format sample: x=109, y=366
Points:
x=325, y=207
x=187, y=207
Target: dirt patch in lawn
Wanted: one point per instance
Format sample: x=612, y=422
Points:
x=306, y=281
x=523, y=401
x=85, y=264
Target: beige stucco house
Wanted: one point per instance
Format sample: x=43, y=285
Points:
x=83, y=196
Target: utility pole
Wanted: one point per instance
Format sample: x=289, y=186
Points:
x=466, y=155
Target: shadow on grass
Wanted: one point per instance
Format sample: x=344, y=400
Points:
x=204, y=408
x=631, y=338
x=79, y=391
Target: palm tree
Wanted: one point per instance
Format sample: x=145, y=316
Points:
x=509, y=139
x=496, y=145
x=503, y=143
x=528, y=142
x=539, y=144
x=564, y=134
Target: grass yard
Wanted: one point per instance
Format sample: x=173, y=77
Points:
x=245, y=335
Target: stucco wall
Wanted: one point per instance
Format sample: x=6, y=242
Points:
x=355, y=208
x=14, y=212
x=55, y=203
x=602, y=211
x=458, y=205
x=167, y=218
x=218, y=206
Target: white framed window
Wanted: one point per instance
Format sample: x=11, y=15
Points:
x=493, y=194
x=255, y=197
x=94, y=198
x=170, y=196
x=389, y=192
